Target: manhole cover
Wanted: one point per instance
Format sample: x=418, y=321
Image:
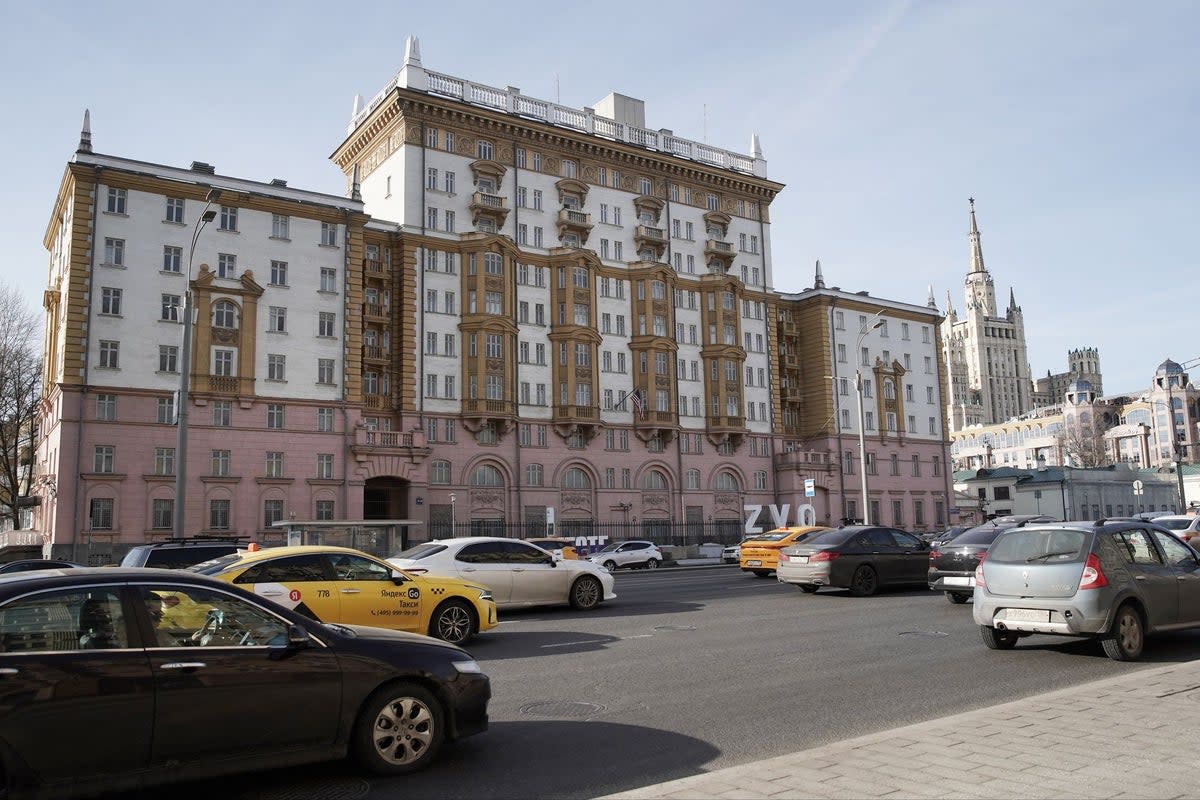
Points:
x=924, y=634
x=562, y=709
x=675, y=628
x=329, y=789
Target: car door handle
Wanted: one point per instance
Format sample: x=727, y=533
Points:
x=9, y=671
x=184, y=665
x=351, y=591
x=271, y=593
x=1139, y=577
x=468, y=569
x=518, y=569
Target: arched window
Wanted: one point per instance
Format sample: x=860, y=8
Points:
x=654, y=479
x=575, y=478
x=728, y=482
x=225, y=315
x=486, y=475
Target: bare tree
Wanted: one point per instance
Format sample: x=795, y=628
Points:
x=1084, y=443
x=20, y=378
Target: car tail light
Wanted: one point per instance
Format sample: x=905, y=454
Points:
x=979, y=581
x=784, y=557
x=1093, y=576
x=981, y=555
x=934, y=555
x=824, y=555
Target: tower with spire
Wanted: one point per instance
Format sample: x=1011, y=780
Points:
x=985, y=349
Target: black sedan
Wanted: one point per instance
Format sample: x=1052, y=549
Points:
x=122, y=678
x=27, y=564
x=952, y=564
x=861, y=558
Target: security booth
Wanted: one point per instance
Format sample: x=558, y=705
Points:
x=379, y=537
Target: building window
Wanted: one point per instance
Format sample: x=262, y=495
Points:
x=280, y=225
x=229, y=218
x=272, y=512
x=165, y=410
x=116, y=201
x=226, y=265
x=110, y=354
x=325, y=507
x=325, y=371
x=277, y=320
x=162, y=514
x=110, y=301
x=279, y=273
x=439, y=472
x=276, y=367
x=326, y=323
x=534, y=475
x=325, y=420
x=483, y=150
x=164, y=461
x=220, y=463
x=103, y=458
x=174, y=210
x=329, y=232
x=170, y=308
x=325, y=465
x=274, y=467
x=168, y=358
x=114, y=252
x=218, y=515
x=275, y=416
x=225, y=315
x=172, y=259
x=106, y=407
x=328, y=279
x=100, y=514
x=222, y=413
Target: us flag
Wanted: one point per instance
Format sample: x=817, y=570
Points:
x=639, y=405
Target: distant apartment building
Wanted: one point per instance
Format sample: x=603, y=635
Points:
x=1083, y=364
x=519, y=313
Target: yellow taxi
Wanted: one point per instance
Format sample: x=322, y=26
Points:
x=340, y=584
x=760, y=555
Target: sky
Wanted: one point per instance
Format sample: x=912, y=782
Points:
x=1073, y=125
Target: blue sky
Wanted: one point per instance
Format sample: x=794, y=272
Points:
x=1073, y=124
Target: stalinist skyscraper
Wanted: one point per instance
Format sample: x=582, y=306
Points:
x=985, y=353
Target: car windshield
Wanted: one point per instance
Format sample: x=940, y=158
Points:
x=1025, y=545
x=215, y=565
x=417, y=552
x=1173, y=524
x=771, y=536
x=983, y=535
x=834, y=537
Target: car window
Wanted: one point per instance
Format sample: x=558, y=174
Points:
x=289, y=569
x=195, y=616
x=880, y=537
x=183, y=557
x=834, y=537
x=1173, y=524
x=905, y=540
x=985, y=534
x=482, y=553
x=522, y=553
x=349, y=567
x=70, y=619
x=417, y=552
x=1135, y=546
x=1025, y=545
x=1177, y=553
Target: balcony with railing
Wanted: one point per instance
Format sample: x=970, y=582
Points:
x=376, y=402
x=376, y=311
x=408, y=444
x=372, y=266
x=490, y=207
x=806, y=461
x=571, y=220
x=650, y=240
x=373, y=352
x=225, y=384
x=715, y=248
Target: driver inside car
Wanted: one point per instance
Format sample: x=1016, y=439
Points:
x=156, y=607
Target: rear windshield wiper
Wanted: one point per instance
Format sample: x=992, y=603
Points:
x=1050, y=555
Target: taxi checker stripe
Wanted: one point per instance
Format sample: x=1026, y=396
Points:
x=439, y=590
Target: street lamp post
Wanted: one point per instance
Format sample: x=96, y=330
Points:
x=185, y=373
x=453, y=497
x=862, y=433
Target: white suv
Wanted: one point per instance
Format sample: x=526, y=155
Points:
x=628, y=554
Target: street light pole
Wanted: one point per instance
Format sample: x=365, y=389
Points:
x=862, y=431
x=185, y=373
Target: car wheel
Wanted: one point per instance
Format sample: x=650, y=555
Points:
x=997, y=639
x=1127, y=637
x=958, y=598
x=610, y=565
x=808, y=588
x=864, y=582
x=761, y=573
x=453, y=621
x=399, y=729
x=586, y=593
x=652, y=564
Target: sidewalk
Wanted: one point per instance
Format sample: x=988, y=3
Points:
x=1133, y=736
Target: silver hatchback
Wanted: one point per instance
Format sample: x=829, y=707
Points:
x=1117, y=581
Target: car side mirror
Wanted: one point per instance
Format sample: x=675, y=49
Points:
x=298, y=638
x=398, y=577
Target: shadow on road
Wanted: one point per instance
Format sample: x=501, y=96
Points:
x=513, y=761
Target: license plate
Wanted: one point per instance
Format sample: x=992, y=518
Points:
x=800, y=559
x=753, y=562
x=958, y=581
x=1027, y=615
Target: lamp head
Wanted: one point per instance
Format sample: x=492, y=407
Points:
x=213, y=195
x=209, y=216
x=878, y=324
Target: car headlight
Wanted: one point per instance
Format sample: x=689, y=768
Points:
x=468, y=667
x=484, y=593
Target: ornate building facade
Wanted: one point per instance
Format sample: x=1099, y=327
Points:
x=519, y=313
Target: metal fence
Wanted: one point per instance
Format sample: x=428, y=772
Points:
x=591, y=535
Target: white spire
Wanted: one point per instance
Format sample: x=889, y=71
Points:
x=755, y=146
x=412, y=51
x=357, y=106
x=85, y=134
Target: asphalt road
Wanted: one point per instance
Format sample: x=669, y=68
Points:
x=690, y=670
